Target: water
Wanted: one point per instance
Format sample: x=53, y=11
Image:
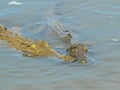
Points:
x=92, y=21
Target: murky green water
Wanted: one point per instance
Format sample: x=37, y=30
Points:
x=92, y=21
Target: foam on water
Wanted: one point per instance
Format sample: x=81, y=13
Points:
x=15, y=3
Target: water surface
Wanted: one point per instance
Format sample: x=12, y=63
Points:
x=93, y=21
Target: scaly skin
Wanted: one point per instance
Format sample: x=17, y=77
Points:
x=33, y=48
x=30, y=47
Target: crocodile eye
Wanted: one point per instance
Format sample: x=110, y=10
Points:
x=69, y=34
x=67, y=49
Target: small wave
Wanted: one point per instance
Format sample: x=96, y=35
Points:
x=90, y=61
x=115, y=40
x=15, y=3
x=9, y=11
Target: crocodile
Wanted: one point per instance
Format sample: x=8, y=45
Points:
x=32, y=48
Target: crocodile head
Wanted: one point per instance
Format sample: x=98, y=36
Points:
x=78, y=51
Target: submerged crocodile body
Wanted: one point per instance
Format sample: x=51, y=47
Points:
x=42, y=48
x=30, y=47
